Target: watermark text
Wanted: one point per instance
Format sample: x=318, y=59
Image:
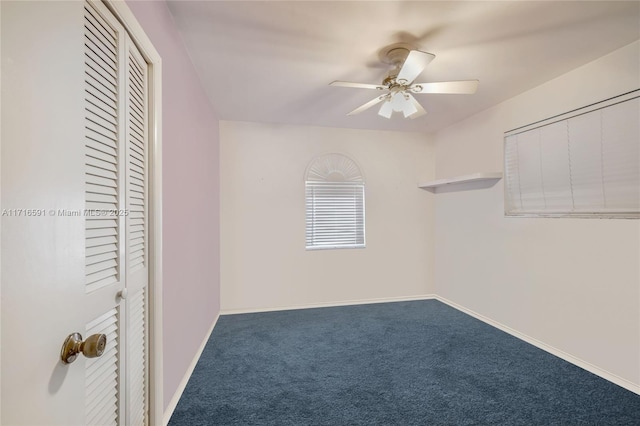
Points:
x=64, y=213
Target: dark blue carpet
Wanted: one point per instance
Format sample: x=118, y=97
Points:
x=405, y=363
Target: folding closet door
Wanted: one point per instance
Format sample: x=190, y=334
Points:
x=105, y=262
x=116, y=383
x=74, y=225
x=137, y=236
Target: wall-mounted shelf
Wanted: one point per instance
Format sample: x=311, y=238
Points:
x=476, y=177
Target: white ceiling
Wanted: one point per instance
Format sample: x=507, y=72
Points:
x=271, y=62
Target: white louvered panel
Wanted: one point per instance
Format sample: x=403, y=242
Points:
x=101, y=150
x=136, y=163
x=136, y=359
x=102, y=374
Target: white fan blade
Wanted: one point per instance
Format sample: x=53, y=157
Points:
x=419, y=110
x=386, y=110
x=368, y=105
x=414, y=64
x=356, y=85
x=452, y=87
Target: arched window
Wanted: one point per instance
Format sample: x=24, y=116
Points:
x=334, y=189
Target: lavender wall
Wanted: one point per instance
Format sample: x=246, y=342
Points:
x=191, y=187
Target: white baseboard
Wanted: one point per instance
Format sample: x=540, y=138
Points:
x=329, y=304
x=548, y=348
x=187, y=375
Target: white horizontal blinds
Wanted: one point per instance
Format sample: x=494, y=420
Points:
x=335, y=206
x=585, y=164
x=136, y=360
x=102, y=374
x=531, y=194
x=136, y=158
x=512, y=175
x=101, y=150
x=621, y=156
x=335, y=214
x=584, y=134
x=554, y=170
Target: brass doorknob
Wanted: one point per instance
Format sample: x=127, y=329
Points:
x=91, y=348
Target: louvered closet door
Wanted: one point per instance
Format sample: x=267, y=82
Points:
x=75, y=235
x=105, y=261
x=136, y=237
x=116, y=231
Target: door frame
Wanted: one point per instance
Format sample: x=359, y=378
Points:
x=155, y=362
x=0, y=225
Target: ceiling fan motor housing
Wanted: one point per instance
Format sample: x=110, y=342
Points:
x=397, y=55
x=394, y=56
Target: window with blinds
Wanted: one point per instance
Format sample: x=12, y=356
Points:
x=335, y=208
x=585, y=163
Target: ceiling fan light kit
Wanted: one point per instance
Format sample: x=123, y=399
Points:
x=407, y=64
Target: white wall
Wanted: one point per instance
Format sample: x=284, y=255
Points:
x=264, y=263
x=573, y=284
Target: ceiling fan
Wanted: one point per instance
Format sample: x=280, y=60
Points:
x=399, y=85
